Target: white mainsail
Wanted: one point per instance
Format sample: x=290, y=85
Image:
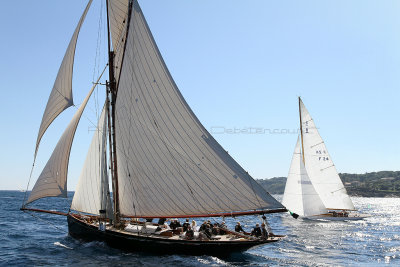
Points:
x=92, y=192
x=320, y=168
x=300, y=196
x=61, y=95
x=52, y=182
x=168, y=164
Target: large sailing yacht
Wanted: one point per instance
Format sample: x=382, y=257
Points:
x=163, y=163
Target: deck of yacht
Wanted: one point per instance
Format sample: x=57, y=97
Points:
x=149, y=231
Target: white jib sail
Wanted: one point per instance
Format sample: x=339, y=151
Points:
x=92, y=192
x=293, y=197
x=168, y=164
x=61, y=95
x=52, y=182
x=320, y=167
x=300, y=196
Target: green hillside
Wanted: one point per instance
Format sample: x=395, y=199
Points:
x=372, y=184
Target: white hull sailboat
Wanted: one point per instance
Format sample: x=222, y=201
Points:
x=314, y=189
x=169, y=165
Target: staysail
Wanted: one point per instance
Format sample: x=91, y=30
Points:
x=52, y=181
x=300, y=196
x=61, y=95
x=168, y=163
x=320, y=168
x=92, y=192
x=292, y=197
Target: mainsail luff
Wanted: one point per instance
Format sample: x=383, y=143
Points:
x=168, y=164
x=301, y=132
x=320, y=168
x=61, y=95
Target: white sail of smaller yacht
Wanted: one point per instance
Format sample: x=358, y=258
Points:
x=300, y=196
x=320, y=167
x=92, y=192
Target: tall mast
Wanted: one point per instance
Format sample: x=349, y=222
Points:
x=111, y=99
x=301, y=132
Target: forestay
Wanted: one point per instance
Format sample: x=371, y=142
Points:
x=92, y=192
x=168, y=163
x=61, y=95
x=320, y=167
x=52, y=182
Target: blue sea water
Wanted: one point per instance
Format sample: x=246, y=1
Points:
x=28, y=239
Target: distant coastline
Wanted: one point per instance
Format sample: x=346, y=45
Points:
x=371, y=184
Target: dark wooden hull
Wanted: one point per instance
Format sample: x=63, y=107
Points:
x=83, y=231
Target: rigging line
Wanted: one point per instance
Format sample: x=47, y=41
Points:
x=327, y=167
x=95, y=84
x=317, y=144
x=27, y=186
x=45, y=221
x=147, y=33
x=98, y=43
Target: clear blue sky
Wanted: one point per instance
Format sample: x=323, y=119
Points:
x=239, y=64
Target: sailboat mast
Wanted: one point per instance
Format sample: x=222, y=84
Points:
x=301, y=132
x=111, y=99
